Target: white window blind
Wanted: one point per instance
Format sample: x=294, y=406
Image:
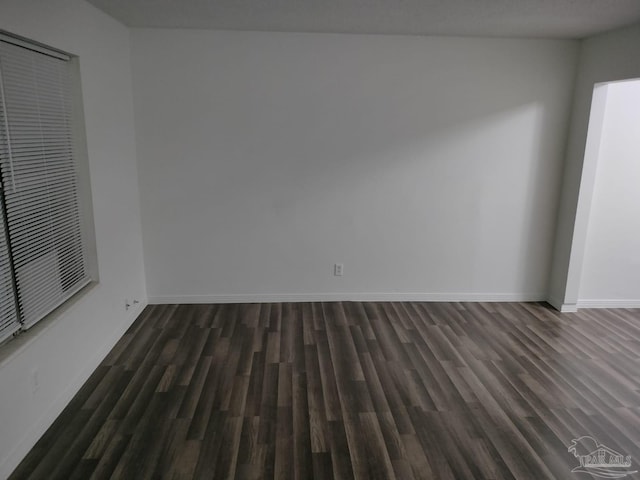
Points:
x=38, y=165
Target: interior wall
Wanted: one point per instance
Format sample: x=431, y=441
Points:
x=603, y=58
x=42, y=369
x=429, y=167
x=611, y=270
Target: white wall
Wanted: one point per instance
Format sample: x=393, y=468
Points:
x=603, y=58
x=611, y=269
x=67, y=350
x=428, y=166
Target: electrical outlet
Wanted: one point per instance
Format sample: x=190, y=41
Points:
x=338, y=269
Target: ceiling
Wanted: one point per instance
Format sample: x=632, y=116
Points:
x=496, y=18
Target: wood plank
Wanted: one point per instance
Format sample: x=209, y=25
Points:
x=345, y=390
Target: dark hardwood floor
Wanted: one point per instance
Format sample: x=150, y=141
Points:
x=352, y=390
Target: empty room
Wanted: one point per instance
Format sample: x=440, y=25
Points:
x=318, y=240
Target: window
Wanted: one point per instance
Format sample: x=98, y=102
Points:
x=46, y=233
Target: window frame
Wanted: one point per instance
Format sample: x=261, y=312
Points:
x=80, y=160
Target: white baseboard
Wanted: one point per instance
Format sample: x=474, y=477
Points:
x=345, y=297
x=608, y=303
x=573, y=307
x=568, y=308
x=24, y=445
